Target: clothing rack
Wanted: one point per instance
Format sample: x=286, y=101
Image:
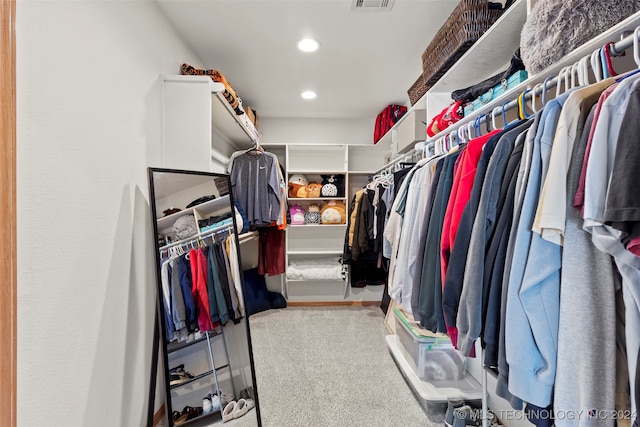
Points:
x=571, y=71
x=194, y=241
x=567, y=76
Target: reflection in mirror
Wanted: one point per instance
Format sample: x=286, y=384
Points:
x=206, y=368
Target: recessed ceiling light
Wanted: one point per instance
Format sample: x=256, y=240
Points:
x=308, y=45
x=308, y=94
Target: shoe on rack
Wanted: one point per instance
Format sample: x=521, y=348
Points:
x=178, y=375
x=215, y=403
x=242, y=407
x=177, y=368
x=188, y=413
x=464, y=416
x=227, y=414
x=206, y=404
x=451, y=405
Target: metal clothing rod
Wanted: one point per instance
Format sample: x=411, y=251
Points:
x=615, y=49
x=408, y=156
x=200, y=236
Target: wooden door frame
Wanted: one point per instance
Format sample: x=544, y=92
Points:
x=8, y=240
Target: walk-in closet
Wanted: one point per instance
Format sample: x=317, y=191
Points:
x=320, y=213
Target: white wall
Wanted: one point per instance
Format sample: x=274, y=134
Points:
x=317, y=131
x=88, y=112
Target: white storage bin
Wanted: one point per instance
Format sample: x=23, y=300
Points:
x=432, y=358
x=411, y=130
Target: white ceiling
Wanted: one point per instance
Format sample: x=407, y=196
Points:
x=366, y=60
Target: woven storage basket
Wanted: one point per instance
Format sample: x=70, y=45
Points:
x=417, y=90
x=466, y=24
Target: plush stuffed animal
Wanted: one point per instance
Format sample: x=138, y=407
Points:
x=297, y=182
x=313, y=190
x=332, y=185
x=556, y=27
x=312, y=216
x=333, y=212
x=297, y=215
x=229, y=92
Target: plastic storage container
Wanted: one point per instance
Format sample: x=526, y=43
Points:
x=431, y=357
x=513, y=81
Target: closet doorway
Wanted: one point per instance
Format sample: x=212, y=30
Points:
x=8, y=288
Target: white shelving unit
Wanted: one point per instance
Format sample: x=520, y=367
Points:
x=201, y=211
x=201, y=129
x=312, y=241
x=488, y=56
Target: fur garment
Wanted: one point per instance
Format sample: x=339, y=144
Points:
x=185, y=227
x=556, y=27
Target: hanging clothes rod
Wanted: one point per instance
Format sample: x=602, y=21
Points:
x=615, y=49
x=199, y=237
x=407, y=157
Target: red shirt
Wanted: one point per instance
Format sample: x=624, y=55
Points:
x=460, y=193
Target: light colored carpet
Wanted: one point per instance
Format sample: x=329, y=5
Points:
x=329, y=366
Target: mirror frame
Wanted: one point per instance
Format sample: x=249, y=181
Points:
x=159, y=323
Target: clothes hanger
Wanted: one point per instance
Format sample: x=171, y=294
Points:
x=636, y=46
x=477, y=131
x=460, y=132
x=453, y=136
x=584, y=67
x=574, y=75
x=504, y=115
x=522, y=108
x=493, y=117
x=596, y=65
x=561, y=75
x=605, y=55
x=544, y=91
x=533, y=98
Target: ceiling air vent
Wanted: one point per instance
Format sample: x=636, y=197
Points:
x=372, y=4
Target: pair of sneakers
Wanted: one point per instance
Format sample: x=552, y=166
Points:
x=237, y=409
x=211, y=403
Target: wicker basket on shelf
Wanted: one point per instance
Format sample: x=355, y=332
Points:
x=466, y=24
x=417, y=90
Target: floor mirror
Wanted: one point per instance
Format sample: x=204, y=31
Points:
x=204, y=358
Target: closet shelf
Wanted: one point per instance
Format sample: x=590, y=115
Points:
x=489, y=55
x=211, y=415
x=192, y=380
x=210, y=206
x=315, y=252
x=298, y=199
x=173, y=347
x=317, y=225
x=196, y=236
x=317, y=172
x=198, y=377
x=369, y=172
x=612, y=34
x=237, y=130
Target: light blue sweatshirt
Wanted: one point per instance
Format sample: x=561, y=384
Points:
x=531, y=333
